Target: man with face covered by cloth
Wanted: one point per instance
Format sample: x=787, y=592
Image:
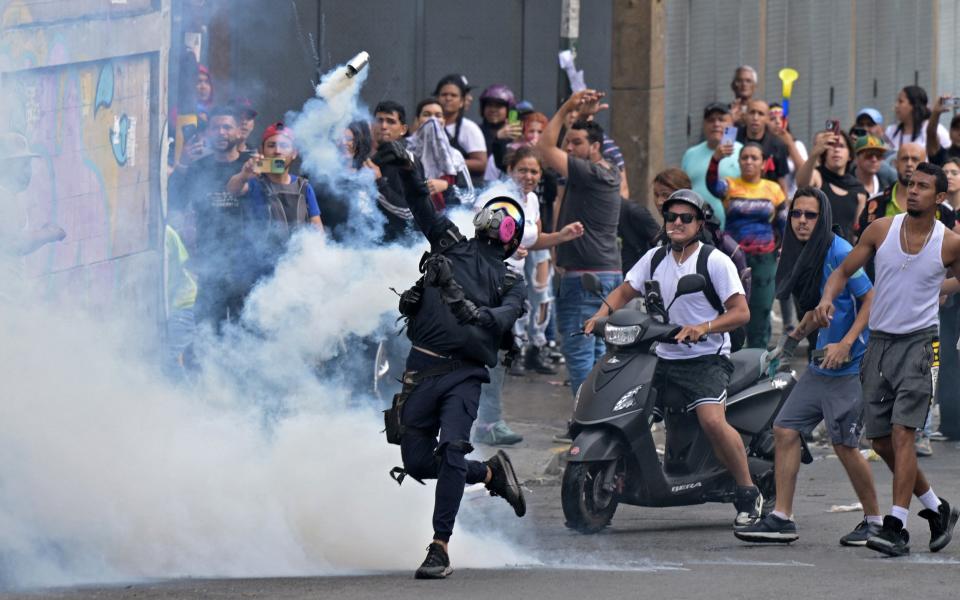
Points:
x=459, y=314
x=829, y=390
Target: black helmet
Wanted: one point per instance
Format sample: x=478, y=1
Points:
x=693, y=199
x=501, y=220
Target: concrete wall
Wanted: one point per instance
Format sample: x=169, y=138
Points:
x=85, y=82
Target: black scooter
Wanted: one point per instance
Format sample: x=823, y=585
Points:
x=613, y=458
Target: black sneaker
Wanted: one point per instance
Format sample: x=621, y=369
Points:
x=860, y=534
x=517, y=368
x=436, y=565
x=749, y=504
x=942, y=521
x=504, y=482
x=770, y=529
x=892, y=539
x=537, y=361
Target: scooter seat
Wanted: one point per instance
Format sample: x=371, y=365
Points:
x=746, y=369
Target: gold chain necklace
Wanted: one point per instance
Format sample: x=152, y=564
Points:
x=906, y=243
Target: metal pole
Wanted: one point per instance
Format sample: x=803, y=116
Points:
x=569, y=39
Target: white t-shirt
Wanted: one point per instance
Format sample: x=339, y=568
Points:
x=695, y=308
x=897, y=139
x=531, y=214
x=471, y=137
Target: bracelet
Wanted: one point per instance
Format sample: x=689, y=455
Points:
x=708, y=326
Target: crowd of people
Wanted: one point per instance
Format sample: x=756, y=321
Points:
x=784, y=217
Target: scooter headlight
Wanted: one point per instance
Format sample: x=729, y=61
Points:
x=628, y=400
x=621, y=336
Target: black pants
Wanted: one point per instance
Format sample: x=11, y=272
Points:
x=444, y=405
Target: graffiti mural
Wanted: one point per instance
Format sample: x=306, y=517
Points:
x=89, y=97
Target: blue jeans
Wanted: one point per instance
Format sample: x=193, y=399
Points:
x=491, y=395
x=574, y=306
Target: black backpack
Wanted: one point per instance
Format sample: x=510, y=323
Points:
x=738, y=336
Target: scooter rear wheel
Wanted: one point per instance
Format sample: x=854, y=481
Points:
x=587, y=507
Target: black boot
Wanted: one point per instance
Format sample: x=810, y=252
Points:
x=504, y=482
x=537, y=361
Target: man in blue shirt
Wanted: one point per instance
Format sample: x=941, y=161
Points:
x=830, y=388
x=716, y=118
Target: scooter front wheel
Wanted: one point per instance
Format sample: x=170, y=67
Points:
x=587, y=506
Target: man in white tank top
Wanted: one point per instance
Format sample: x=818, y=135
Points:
x=912, y=252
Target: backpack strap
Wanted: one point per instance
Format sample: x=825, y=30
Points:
x=656, y=259
x=710, y=292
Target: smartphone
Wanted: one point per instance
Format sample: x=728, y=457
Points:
x=271, y=165
x=513, y=117
x=817, y=357
x=858, y=132
x=189, y=131
x=833, y=126
x=954, y=102
x=729, y=135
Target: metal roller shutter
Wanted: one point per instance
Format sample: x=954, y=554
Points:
x=680, y=113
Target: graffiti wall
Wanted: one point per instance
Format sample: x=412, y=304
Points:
x=94, y=125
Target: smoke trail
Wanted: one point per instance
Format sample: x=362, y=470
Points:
x=108, y=472
x=320, y=126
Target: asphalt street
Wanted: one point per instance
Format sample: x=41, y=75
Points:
x=671, y=553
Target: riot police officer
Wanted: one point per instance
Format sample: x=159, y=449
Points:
x=459, y=314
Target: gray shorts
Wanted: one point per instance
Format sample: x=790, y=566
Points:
x=898, y=374
x=836, y=400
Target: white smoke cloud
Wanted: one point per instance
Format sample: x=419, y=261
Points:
x=109, y=472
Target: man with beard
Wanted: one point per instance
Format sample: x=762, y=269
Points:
x=199, y=200
x=457, y=316
x=891, y=202
x=913, y=252
x=829, y=390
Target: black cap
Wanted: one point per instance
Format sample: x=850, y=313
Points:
x=713, y=107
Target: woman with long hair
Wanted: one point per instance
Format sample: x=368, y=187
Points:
x=756, y=215
x=911, y=112
x=465, y=135
x=828, y=169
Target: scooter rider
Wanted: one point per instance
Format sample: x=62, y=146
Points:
x=458, y=314
x=699, y=372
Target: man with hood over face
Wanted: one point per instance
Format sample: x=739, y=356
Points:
x=459, y=314
x=829, y=390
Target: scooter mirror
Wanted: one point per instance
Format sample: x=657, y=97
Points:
x=690, y=284
x=591, y=283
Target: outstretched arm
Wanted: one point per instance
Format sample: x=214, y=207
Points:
x=856, y=260
x=554, y=157
x=617, y=299
x=434, y=226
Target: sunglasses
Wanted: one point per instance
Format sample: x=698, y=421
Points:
x=807, y=214
x=685, y=218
